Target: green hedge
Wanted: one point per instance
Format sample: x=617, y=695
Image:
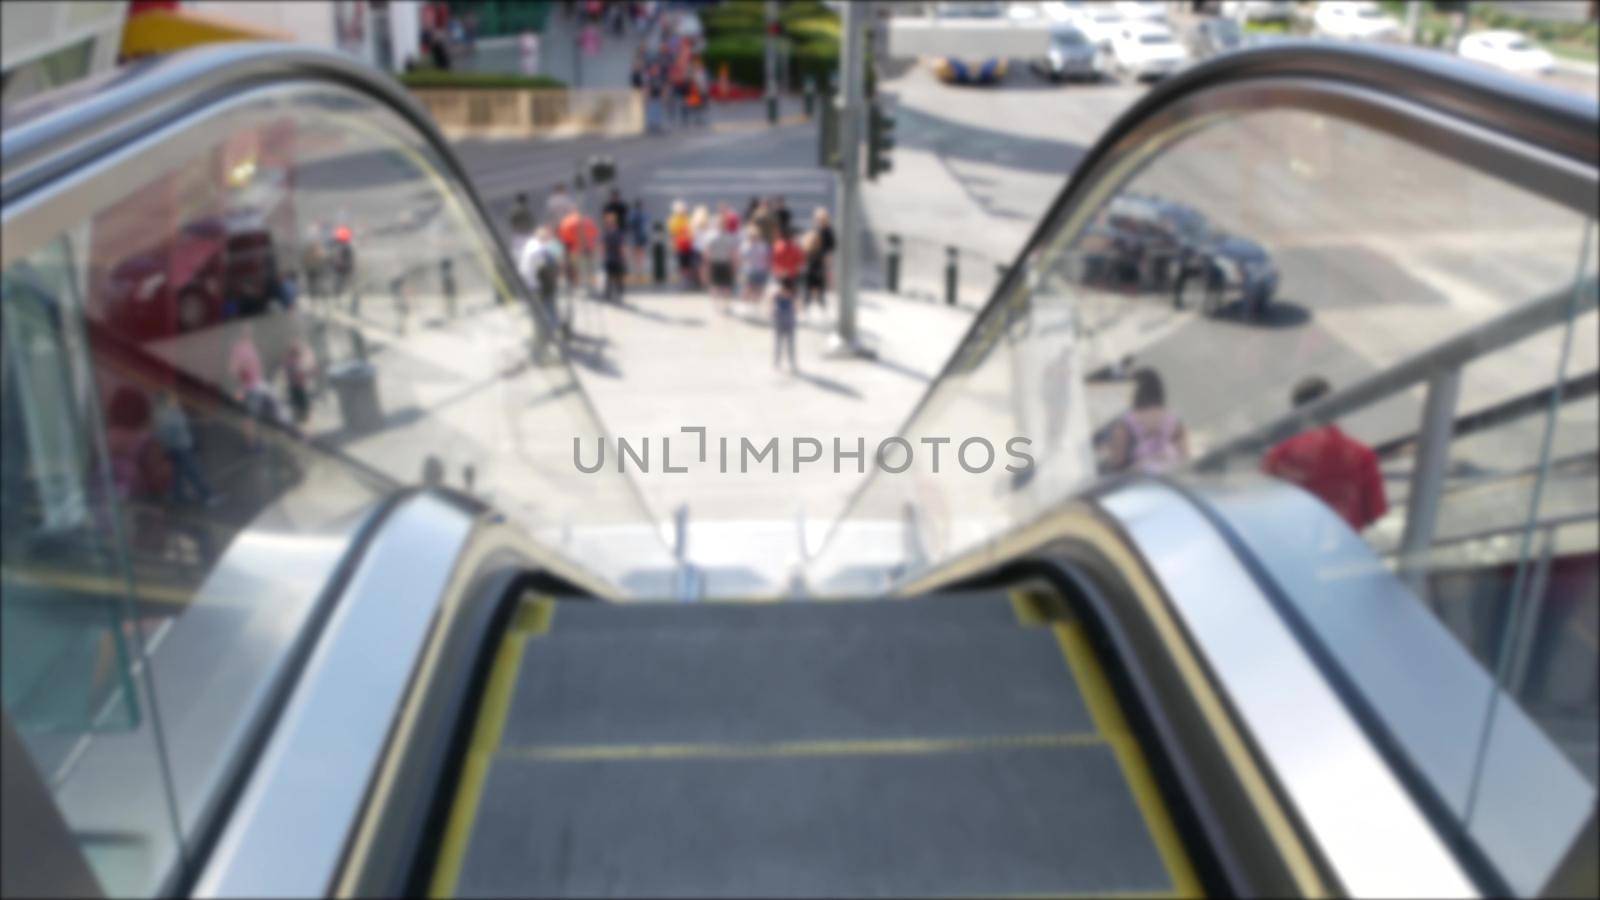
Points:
x=440, y=78
x=746, y=59
x=736, y=37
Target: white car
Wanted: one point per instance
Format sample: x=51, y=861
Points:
x=1507, y=50
x=1142, y=10
x=1147, y=50
x=1258, y=10
x=1099, y=22
x=1363, y=21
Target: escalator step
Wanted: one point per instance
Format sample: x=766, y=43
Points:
x=985, y=608
x=1032, y=820
x=808, y=684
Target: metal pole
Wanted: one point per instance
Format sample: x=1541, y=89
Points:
x=1427, y=478
x=951, y=275
x=772, y=61
x=891, y=275
x=851, y=104
x=1413, y=12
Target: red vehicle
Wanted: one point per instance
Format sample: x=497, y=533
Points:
x=200, y=245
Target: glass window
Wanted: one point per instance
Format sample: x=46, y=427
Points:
x=210, y=384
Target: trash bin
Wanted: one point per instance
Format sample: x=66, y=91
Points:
x=356, y=384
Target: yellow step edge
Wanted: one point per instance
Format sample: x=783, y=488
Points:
x=1108, y=719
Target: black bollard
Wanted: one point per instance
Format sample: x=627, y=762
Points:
x=447, y=284
x=891, y=265
x=658, y=256
x=950, y=276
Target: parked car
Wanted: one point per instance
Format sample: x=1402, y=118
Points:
x=1258, y=10
x=1152, y=245
x=1143, y=10
x=1361, y=21
x=956, y=70
x=1071, y=56
x=1147, y=50
x=1213, y=36
x=1507, y=50
x=1099, y=22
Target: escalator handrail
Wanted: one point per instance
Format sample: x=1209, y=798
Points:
x=51, y=136
x=1510, y=108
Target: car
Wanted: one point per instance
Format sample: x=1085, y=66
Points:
x=971, y=9
x=1258, y=10
x=956, y=70
x=1361, y=21
x=1507, y=50
x=1099, y=22
x=1146, y=50
x=1071, y=56
x=1153, y=245
x=1142, y=10
x=1213, y=36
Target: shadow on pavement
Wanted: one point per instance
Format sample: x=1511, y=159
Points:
x=950, y=139
x=590, y=354
x=828, y=384
x=1279, y=314
x=652, y=315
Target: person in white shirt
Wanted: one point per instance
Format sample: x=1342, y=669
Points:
x=539, y=264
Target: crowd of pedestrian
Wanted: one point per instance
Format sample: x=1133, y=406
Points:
x=755, y=256
x=672, y=77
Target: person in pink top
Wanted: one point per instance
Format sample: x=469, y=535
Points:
x=244, y=362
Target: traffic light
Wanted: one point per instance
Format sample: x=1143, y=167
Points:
x=602, y=169
x=880, y=140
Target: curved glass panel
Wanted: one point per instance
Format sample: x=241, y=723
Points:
x=1290, y=290
x=272, y=315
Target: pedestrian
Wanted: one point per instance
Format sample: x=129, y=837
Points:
x=761, y=216
x=1147, y=438
x=614, y=241
x=1340, y=470
x=300, y=368
x=177, y=441
x=701, y=230
x=540, y=264
x=682, y=241
x=558, y=205
x=781, y=215
x=823, y=223
x=755, y=261
x=816, y=276
x=787, y=258
x=699, y=91
x=521, y=218
x=244, y=361
x=580, y=237
x=638, y=226
x=139, y=470
x=615, y=205
x=783, y=324
x=722, y=253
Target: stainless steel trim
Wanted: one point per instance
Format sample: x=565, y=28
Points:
x=1369, y=828
x=289, y=828
x=1427, y=479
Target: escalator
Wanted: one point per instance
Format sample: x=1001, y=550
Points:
x=854, y=748
x=416, y=653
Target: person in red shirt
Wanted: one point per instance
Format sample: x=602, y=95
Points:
x=787, y=258
x=1337, y=468
x=579, y=235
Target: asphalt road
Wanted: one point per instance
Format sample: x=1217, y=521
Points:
x=737, y=155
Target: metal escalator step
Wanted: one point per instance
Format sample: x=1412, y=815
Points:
x=973, y=608
x=851, y=683
x=980, y=822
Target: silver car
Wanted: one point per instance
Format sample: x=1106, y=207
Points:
x=1072, y=56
